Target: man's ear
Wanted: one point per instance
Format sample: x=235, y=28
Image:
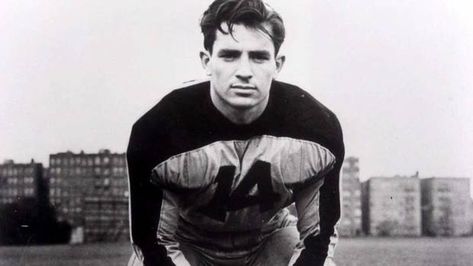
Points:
x=280, y=59
x=204, y=60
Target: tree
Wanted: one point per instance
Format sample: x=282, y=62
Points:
x=29, y=221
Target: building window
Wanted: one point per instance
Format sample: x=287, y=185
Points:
x=29, y=192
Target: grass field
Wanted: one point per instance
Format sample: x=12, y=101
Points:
x=350, y=252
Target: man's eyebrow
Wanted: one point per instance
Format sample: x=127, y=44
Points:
x=260, y=53
x=229, y=52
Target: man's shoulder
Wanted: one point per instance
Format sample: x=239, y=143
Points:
x=301, y=106
x=181, y=99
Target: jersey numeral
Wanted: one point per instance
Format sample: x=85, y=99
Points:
x=225, y=200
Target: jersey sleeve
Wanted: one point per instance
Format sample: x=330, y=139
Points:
x=308, y=224
x=146, y=199
x=318, y=207
x=167, y=227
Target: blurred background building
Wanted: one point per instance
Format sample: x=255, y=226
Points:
x=21, y=180
x=350, y=223
x=391, y=206
x=446, y=206
x=90, y=191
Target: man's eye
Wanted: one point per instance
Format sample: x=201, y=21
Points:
x=260, y=59
x=228, y=57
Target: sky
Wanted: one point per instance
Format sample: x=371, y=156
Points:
x=75, y=75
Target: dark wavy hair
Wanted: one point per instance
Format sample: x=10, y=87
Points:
x=250, y=13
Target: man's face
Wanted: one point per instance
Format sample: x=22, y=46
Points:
x=242, y=68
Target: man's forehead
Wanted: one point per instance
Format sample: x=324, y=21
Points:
x=243, y=37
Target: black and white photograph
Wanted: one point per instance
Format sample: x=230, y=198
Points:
x=236, y=132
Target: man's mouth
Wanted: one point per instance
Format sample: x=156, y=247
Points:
x=243, y=87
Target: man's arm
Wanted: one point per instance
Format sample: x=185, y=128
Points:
x=145, y=199
x=319, y=208
x=308, y=224
x=317, y=239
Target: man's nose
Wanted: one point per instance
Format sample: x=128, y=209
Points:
x=244, y=70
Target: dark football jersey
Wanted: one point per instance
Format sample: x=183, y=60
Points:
x=195, y=176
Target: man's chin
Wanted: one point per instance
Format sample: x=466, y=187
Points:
x=243, y=103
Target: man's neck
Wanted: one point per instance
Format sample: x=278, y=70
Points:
x=239, y=116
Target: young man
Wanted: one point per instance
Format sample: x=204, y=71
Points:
x=214, y=165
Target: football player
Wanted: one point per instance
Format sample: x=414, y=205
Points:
x=214, y=165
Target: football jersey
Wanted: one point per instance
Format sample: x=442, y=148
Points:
x=197, y=177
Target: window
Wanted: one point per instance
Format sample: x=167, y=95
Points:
x=29, y=192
